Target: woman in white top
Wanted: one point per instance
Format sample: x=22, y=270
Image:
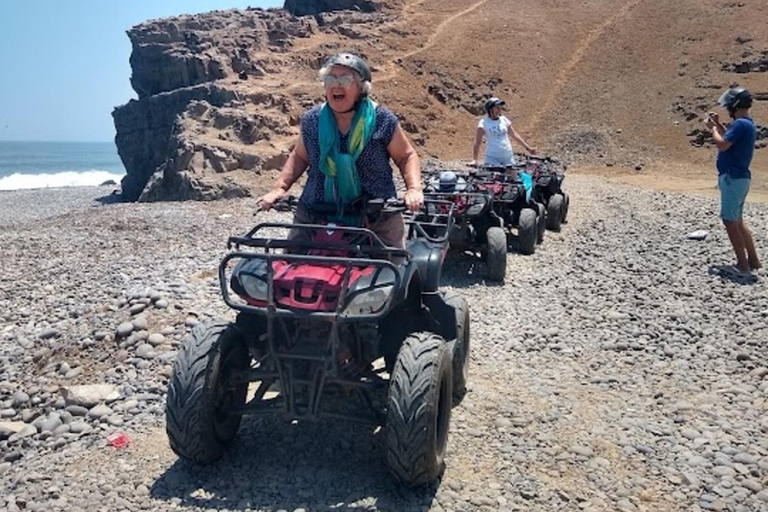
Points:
x=498, y=133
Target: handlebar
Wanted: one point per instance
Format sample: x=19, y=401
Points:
x=363, y=205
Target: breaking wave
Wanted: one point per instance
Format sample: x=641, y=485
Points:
x=19, y=181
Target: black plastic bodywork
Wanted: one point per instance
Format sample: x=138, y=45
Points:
x=312, y=354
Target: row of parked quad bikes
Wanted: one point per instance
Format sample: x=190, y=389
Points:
x=336, y=325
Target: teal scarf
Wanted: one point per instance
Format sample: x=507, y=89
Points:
x=342, y=181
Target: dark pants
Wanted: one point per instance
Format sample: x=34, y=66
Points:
x=391, y=229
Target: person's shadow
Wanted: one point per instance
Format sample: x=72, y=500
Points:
x=729, y=273
x=274, y=465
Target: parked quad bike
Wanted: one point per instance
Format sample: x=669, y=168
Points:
x=334, y=325
x=548, y=180
x=513, y=205
x=476, y=226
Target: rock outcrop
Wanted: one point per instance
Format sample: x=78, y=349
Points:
x=213, y=110
x=314, y=7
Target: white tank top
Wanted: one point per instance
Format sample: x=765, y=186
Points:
x=498, y=147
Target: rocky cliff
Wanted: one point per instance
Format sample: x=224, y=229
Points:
x=218, y=101
x=220, y=94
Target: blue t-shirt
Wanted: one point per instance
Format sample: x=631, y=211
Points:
x=376, y=178
x=735, y=160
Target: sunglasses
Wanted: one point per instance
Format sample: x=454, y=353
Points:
x=344, y=81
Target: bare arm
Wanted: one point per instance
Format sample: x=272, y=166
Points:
x=294, y=167
x=407, y=160
x=718, y=131
x=517, y=138
x=478, y=141
x=720, y=142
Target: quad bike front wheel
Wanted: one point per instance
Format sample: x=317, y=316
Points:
x=461, y=351
x=496, y=253
x=419, y=409
x=541, y=223
x=197, y=424
x=527, y=231
x=555, y=212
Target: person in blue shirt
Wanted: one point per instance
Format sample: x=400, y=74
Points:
x=735, y=145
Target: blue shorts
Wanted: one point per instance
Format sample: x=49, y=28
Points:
x=733, y=193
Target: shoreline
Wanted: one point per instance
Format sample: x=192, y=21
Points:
x=57, y=188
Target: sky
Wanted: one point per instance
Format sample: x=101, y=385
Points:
x=64, y=63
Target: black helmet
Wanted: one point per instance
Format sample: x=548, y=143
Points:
x=736, y=98
x=352, y=62
x=494, y=102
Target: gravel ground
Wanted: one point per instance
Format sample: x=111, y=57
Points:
x=19, y=207
x=621, y=367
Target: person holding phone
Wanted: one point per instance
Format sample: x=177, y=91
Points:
x=735, y=145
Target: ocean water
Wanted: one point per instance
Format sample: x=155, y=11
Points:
x=25, y=165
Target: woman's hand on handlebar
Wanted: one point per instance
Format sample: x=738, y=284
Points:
x=268, y=200
x=414, y=199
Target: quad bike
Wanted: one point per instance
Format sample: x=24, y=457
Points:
x=548, y=181
x=513, y=204
x=476, y=225
x=330, y=325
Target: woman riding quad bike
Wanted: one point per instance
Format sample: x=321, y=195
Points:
x=342, y=318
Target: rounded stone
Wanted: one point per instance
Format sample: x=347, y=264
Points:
x=140, y=323
x=145, y=351
x=19, y=398
x=99, y=411
x=137, y=308
x=124, y=329
x=156, y=339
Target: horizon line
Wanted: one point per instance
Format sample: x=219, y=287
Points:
x=57, y=141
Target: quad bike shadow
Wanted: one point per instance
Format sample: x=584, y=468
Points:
x=332, y=325
x=464, y=269
x=274, y=465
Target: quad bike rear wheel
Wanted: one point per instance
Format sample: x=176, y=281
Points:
x=197, y=425
x=555, y=212
x=419, y=409
x=496, y=253
x=566, y=206
x=541, y=223
x=461, y=352
x=527, y=231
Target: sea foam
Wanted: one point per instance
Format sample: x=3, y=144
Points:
x=20, y=181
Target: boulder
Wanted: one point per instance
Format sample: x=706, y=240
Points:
x=89, y=395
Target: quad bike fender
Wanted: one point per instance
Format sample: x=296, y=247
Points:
x=443, y=316
x=409, y=283
x=428, y=258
